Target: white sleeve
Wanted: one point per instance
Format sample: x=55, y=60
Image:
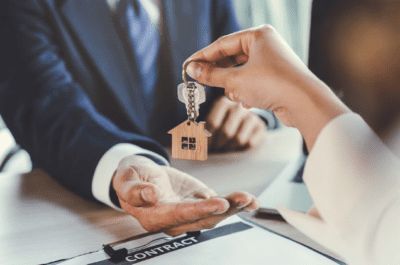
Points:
x=108, y=163
x=354, y=180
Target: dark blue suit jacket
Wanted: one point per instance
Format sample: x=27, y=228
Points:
x=68, y=89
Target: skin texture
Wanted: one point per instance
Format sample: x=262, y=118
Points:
x=234, y=127
x=258, y=69
x=165, y=199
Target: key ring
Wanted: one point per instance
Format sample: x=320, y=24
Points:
x=184, y=74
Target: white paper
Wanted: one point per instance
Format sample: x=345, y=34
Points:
x=251, y=246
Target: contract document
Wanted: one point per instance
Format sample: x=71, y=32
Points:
x=233, y=241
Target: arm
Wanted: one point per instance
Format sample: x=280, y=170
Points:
x=46, y=109
x=352, y=176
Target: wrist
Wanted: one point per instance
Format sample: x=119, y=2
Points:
x=113, y=193
x=134, y=161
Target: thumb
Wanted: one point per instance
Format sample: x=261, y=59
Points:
x=209, y=74
x=139, y=194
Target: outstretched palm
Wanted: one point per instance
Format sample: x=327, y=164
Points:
x=165, y=199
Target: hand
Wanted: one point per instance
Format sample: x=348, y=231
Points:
x=268, y=74
x=256, y=67
x=233, y=127
x=164, y=199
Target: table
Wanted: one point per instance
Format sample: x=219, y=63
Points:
x=42, y=222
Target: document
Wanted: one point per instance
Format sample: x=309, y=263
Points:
x=233, y=241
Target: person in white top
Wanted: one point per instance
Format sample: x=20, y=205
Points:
x=352, y=176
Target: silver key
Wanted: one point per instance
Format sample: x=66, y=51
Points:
x=199, y=95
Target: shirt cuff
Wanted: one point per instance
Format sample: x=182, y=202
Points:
x=107, y=165
x=268, y=117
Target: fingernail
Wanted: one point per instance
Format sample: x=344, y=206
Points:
x=250, y=209
x=194, y=70
x=222, y=208
x=147, y=194
x=241, y=205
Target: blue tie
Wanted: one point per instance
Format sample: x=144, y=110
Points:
x=144, y=40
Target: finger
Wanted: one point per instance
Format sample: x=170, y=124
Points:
x=133, y=190
x=251, y=132
x=254, y=205
x=206, y=223
x=230, y=45
x=211, y=74
x=233, y=61
x=166, y=216
x=217, y=114
x=185, y=185
x=258, y=135
x=227, y=62
x=241, y=59
x=245, y=130
x=137, y=193
x=122, y=175
x=240, y=200
x=231, y=124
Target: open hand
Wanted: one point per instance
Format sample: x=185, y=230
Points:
x=165, y=199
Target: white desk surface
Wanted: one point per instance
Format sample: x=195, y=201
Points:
x=42, y=222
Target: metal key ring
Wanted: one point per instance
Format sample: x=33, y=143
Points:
x=184, y=74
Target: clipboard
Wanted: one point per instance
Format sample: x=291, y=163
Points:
x=234, y=241
x=118, y=255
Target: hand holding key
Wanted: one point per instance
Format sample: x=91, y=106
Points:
x=257, y=67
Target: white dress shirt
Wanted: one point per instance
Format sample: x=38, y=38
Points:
x=109, y=162
x=354, y=180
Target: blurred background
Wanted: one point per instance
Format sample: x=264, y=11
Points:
x=354, y=47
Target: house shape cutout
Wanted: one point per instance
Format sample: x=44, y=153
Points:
x=190, y=141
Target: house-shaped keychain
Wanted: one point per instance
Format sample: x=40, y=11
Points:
x=190, y=141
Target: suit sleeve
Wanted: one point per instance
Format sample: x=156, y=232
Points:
x=225, y=19
x=47, y=111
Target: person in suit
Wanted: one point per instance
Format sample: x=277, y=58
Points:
x=351, y=174
x=88, y=88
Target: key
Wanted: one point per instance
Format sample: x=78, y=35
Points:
x=190, y=138
x=199, y=96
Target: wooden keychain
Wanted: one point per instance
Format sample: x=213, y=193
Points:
x=190, y=138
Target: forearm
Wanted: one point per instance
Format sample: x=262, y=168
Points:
x=315, y=107
x=47, y=109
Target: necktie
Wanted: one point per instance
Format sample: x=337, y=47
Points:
x=143, y=41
